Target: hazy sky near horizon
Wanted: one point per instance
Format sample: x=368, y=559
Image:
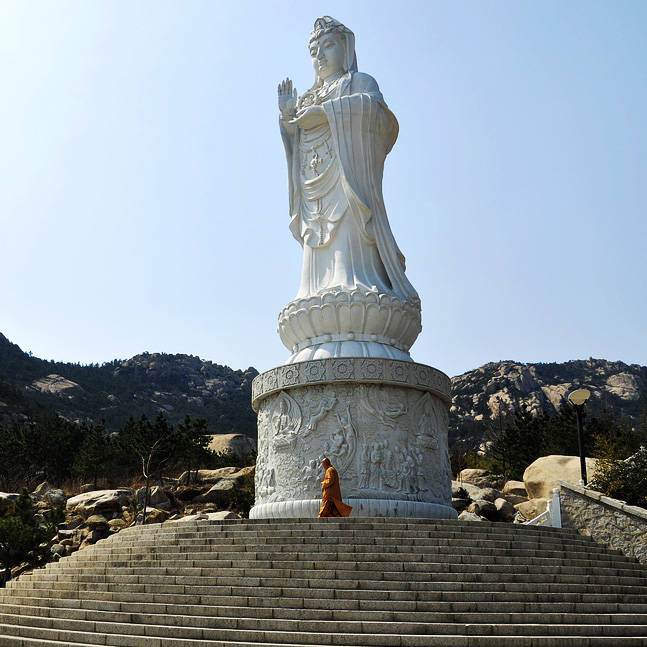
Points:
x=143, y=184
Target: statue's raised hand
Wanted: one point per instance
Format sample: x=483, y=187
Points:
x=287, y=99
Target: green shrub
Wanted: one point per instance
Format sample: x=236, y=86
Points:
x=625, y=480
x=24, y=536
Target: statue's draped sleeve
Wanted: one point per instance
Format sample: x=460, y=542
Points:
x=290, y=137
x=363, y=132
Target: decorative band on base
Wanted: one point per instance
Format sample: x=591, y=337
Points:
x=360, y=370
x=309, y=508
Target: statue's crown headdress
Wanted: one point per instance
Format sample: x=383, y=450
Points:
x=326, y=25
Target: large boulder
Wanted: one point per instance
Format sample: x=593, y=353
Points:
x=541, y=476
x=154, y=515
x=221, y=491
x=55, y=497
x=96, y=522
x=238, y=444
x=532, y=508
x=481, y=478
x=505, y=510
x=99, y=502
x=42, y=489
x=157, y=499
x=484, y=508
x=206, y=476
x=460, y=504
x=490, y=494
x=516, y=488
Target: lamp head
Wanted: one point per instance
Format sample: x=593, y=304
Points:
x=579, y=397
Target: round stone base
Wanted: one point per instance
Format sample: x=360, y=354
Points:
x=381, y=422
x=309, y=509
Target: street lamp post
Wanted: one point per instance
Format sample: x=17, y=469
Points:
x=578, y=399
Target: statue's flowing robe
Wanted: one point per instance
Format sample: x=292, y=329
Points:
x=331, y=503
x=336, y=206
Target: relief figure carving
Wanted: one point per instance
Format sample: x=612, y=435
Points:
x=342, y=444
x=376, y=403
x=286, y=421
x=318, y=411
x=426, y=422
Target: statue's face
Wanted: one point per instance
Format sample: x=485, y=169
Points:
x=327, y=55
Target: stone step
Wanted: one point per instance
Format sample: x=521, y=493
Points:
x=330, y=539
x=203, y=616
x=306, y=631
x=368, y=571
x=498, y=532
x=111, y=594
x=495, y=530
x=201, y=586
x=471, y=557
x=340, y=571
x=350, y=538
x=296, y=599
x=374, y=523
x=404, y=641
x=365, y=543
x=343, y=557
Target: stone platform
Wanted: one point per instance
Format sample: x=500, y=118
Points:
x=382, y=422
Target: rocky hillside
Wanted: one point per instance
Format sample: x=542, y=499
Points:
x=178, y=385
x=506, y=387
x=184, y=384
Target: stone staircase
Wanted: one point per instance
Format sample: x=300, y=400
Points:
x=359, y=582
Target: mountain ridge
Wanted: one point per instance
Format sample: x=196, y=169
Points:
x=180, y=384
x=145, y=384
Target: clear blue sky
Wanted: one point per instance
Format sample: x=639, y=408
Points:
x=143, y=188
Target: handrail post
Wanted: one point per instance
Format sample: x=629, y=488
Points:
x=556, y=512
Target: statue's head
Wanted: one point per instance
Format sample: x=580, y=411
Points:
x=332, y=47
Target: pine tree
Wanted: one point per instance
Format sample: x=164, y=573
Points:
x=95, y=455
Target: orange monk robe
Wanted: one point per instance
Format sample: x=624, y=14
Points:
x=331, y=503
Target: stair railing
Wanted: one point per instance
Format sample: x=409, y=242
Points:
x=552, y=516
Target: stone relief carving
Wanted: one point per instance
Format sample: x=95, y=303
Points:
x=342, y=444
x=386, y=441
x=376, y=402
x=317, y=410
x=426, y=422
x=286, y=421
x=312, y=474
x=265, y=482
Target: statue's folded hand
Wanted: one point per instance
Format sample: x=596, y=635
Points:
x=311, y=117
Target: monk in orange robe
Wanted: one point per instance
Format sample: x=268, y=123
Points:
x=331, y=503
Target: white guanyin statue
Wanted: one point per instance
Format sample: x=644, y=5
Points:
x=354, y=299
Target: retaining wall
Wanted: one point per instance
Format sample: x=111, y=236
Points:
x=608, y=521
